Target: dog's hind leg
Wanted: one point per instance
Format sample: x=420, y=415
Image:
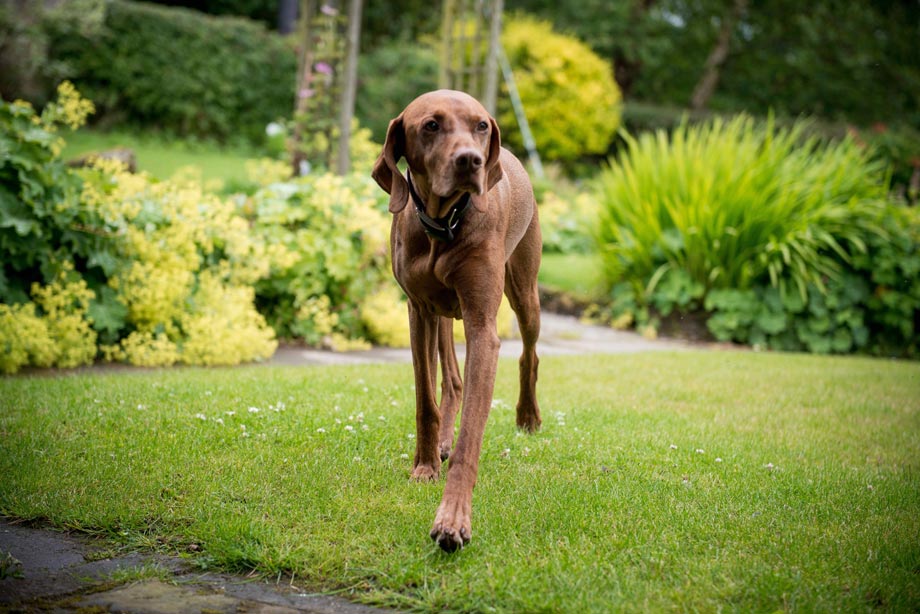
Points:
x=521, y=290
x=451, y=386
x=423, y=331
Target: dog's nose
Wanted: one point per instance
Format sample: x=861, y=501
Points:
x=468, y=160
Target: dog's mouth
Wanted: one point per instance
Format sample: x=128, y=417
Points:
x=460, y=184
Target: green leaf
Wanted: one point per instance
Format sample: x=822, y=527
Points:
x=107, y=312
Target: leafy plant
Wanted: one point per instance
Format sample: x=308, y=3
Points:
x=571, y=99
x=326, y=237
x=733, y=204
x=390, y=76
x=183, y=72
x=154, y=272
x=784, y=241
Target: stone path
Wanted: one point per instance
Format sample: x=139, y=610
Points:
x=50, y=571
x=42, y=570
x=559, y=334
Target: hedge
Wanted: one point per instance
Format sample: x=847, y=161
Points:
x=173, y=69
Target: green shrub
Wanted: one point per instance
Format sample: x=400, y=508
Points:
x=41, y=222
x=327, y=239
x=173, y=69
x=784, y=241
x=388, y=78
x=899, y=147
x=733, y=203
x=569, y=95
x=106, y=262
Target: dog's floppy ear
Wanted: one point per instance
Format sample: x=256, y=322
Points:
x=493, y=166
x=386, y=173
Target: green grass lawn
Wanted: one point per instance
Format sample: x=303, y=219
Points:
x=163, y=157
x=696, y=481
x=576, y=274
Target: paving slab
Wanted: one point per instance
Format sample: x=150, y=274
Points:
x=43, y=570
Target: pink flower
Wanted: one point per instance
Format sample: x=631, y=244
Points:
x=328, y=10
x=323, y=67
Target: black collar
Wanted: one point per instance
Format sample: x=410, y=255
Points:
x=441, y=228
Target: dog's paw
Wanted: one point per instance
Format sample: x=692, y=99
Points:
x=425, y=473
x=528, y=417
x=529, y=425
x=452, y=529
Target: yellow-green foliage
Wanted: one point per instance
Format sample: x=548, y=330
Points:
x=62, y=336
x=565, y=221
x=386, y=316
x=570, y=98
x=65, y=304
x=188, y=265
x=116, y=264
x=326, y=238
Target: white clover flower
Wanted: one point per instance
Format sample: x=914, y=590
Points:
x=403, y=456
x=274, y=129
x=201, y=416
x=769, y=466
x=506, y=453
x=673, y=447
x=219, y=421
x=718, y=460
x=349, y=428
x=365, y=427
x=700, y=451
x=320, y=430
x=230, y=413
x=411, y=435
x=254, y=410
x=382, y=418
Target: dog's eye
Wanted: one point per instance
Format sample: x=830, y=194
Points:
x=432, y=126
x=483, y=126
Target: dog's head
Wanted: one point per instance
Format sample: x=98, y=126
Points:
x=449, y=140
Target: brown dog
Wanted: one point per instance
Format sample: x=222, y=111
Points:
x=464, y=229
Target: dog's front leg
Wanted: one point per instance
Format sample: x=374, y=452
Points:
x=452, y=525
x=423, y=335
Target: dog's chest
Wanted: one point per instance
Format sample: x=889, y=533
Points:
x=424, y=273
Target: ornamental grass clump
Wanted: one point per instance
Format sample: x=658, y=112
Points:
x=733, y=204
x=764, y=223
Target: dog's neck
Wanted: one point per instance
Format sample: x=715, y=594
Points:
x=442, y=226
x=433, y=205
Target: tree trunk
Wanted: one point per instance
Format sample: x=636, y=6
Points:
x=349, y=90
x=710, y=79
